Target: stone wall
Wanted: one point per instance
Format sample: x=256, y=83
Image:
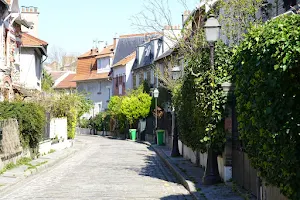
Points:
x=11, y=149
x=10, y=143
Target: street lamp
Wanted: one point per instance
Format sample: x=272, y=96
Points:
x=176, y=73
x=155, y=94
x=212, y=32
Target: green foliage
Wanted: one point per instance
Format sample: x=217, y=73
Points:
x=237, y=16
x=83, y=123
x=100, y=121
x=71, y=123
x=72, y=106
x=132, y=107
x=114, y=106
x=268, y=96
x=47, y=81
x=31, y=118
x=200, y=100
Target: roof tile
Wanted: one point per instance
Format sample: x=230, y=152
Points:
x=67, y=82
x=92, y=76
x=29, y=40
x=126, y=60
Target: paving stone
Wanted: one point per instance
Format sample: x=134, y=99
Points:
x=105, y=169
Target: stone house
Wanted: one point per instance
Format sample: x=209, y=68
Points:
x=92, y=78
x=10, y=43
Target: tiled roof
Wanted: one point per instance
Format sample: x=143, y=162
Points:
x=139, y=34
x=29, y=40
x=126, y=60
x=128, y=43
x=107, y=51
x=67, y=82
x=56, y=74
x=92, y=76
x=92, y=52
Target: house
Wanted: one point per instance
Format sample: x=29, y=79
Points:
x=65, y=83
x=124, y=59
x=92, y=77
x=69, y=63
x=10, y=27
x=53, y=66
x=31, y=61
x=148, y=52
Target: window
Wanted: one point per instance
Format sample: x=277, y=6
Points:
x=145, y=75
x=148, y=76
x=152, y=76
x=99, y=107
x=120, y=89
x=103, y=63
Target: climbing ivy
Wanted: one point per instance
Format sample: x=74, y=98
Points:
x=268, y=96
x=200, y=101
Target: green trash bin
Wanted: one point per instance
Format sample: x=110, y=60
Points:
x=160, y=135
x=132, y=134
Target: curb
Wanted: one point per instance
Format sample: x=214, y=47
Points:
x=189, y=185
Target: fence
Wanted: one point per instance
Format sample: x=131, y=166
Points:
x=242, y=171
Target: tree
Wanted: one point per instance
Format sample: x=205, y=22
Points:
x=136, y=105
x=64, y=60
x=47, y=81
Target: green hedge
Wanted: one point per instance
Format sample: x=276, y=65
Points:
x=31, y=118
x=268, y=96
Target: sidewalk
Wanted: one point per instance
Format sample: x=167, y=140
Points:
x=190, y=176
x=15, y=175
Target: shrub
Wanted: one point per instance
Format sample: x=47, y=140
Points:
x=72, y=106
x=31, y=118
x=268, y=96
x=135, y=106
x=83, y=123
x=200, y=100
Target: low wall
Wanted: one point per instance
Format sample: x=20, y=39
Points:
x=58, y=128
x=45, y=147
x=10, y=145
x=83, y=131
x=200, y=159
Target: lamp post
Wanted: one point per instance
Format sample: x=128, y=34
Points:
x=155, y=94
x=212, y=32
x=176, y=72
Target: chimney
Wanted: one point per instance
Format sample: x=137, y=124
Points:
x=185, y=16
x=115, y=42
x=31, y=14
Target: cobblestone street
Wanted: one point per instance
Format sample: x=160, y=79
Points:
x=103, y=169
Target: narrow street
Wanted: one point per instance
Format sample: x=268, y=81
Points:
x=103, y=169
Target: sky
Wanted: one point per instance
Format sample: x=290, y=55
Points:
x=73, y=24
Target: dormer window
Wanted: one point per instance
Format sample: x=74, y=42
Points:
x=103, y=64
x=148, y=51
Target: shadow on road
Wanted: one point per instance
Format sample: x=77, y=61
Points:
x=179, y=197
